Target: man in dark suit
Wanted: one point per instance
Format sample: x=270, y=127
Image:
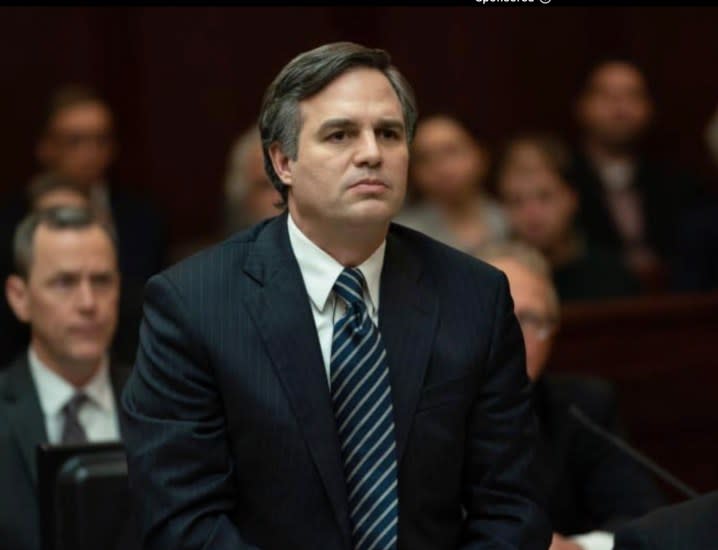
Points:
x=62, y=388
x=690, y=525
x=628, y=202
x=327, y=379
x=592, y=486
x=77, y=146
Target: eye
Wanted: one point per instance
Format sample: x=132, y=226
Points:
x=63, y=282
x=389, y=133
x=337, y=137
x=105, y=280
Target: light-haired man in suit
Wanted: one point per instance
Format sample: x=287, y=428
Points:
x=62, y=389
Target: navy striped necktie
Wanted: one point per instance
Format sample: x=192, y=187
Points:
x=361, y=396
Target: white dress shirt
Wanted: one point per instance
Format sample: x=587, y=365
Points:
x=319, y=272
x=595, y=540
x=98, y=415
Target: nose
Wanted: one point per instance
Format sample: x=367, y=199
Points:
x=86, y=296
x=368, y=150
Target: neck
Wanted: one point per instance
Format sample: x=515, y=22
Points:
x=76, y=373
x=565, y=250
x=601, y=153
x=349, y=244
x=460, y=208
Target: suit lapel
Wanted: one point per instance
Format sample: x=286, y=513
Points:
x=281, y=310
x=408, y=314
x=24, y=413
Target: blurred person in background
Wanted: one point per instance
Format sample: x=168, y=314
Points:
x=696, y=261
x=77, y=145
x=63, y=388
x=249, y=195
x=592, y=486
x=627, y=200
x=541, y=206
x=448, y=169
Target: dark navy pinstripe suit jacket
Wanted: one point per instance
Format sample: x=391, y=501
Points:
x=228, y=420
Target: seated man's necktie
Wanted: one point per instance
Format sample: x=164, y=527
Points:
x=72, y=432
x=361, y=396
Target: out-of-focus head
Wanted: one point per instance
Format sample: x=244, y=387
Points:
x=50, y=191
x=535, y=300
x=614, y=108
x=335, y=126
x=249, y=192
x=77, y=140
x=447, y=163
x=66, y=286
x=532, y=184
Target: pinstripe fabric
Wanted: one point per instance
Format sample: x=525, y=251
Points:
x=361, y=397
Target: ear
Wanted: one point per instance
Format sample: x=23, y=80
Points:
x=18, y=297
x=281, y=163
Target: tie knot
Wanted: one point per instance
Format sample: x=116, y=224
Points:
x=73, y=405
x=349, y=286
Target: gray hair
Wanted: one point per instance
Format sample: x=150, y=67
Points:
x=527, y=257
x=308, y=74
x=59, y=218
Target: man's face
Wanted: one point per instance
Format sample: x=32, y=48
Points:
x=352, y=159
x=446, y=161
x=540, y=205
x=536, y=313
x=70, y=296
x=78, y=144
x=615, y=108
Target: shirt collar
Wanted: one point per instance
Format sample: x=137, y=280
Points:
x=54, y=391
x=320, y=271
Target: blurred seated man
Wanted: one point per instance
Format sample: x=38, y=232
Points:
x=63, y=388
x=628, y=201
x=250, y=196
x=541, y=207
x=592, y=487
x=77, y=145
x=448, y=168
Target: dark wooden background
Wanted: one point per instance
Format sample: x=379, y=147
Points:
x=185, y=81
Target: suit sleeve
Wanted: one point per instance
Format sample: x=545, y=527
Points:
x=505, y=507
x=180, y=467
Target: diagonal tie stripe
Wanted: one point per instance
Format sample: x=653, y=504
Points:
x=361, y=396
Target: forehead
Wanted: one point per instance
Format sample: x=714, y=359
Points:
x=614, y=75
x=356, y=93
x=91, y=113
x=72, y=249
x=437, y=131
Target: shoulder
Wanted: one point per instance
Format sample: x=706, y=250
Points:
x=686, y=525
x=10, y=372
x=441, y=261
x=215, y=263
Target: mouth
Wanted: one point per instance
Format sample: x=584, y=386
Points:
x=87, y=331
x=369, y=184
